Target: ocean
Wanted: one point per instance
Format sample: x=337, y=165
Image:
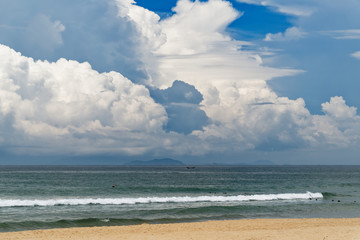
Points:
x=41, y=197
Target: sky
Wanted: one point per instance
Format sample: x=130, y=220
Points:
x=217, y=81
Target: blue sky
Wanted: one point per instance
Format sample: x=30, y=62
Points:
x=199, y=81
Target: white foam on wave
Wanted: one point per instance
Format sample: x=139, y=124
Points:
x=144, y=200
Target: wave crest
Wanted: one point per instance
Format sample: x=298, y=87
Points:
x=144, y=200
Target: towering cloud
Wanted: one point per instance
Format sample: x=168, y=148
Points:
x=195, y=91
x=69, y=99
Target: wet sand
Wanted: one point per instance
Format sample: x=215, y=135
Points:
x=250, y=229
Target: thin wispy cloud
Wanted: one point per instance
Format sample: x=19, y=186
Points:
x=349, y=34
x=356, y=54
x=285, y=7
x=5, y=26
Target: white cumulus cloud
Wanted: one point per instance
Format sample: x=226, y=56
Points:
x=337, y=108
x=339, y=126
x=69, y=99
x=292, y=33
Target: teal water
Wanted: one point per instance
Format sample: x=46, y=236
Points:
x=39, y=197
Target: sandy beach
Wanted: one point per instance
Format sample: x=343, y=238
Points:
x=347, y=229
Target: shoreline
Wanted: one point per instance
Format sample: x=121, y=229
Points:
x=307, y=228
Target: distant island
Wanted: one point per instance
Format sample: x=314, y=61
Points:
x=156, y=162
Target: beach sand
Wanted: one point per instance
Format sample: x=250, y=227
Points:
x=252, y=229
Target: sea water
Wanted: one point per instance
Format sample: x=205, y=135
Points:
x=39, y=197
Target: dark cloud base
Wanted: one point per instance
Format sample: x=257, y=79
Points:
x=182, y=104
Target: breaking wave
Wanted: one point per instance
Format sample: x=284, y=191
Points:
x=144, y=200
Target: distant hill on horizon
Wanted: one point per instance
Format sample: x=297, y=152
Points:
x=156, y=162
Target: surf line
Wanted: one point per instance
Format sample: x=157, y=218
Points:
x=143, y=200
